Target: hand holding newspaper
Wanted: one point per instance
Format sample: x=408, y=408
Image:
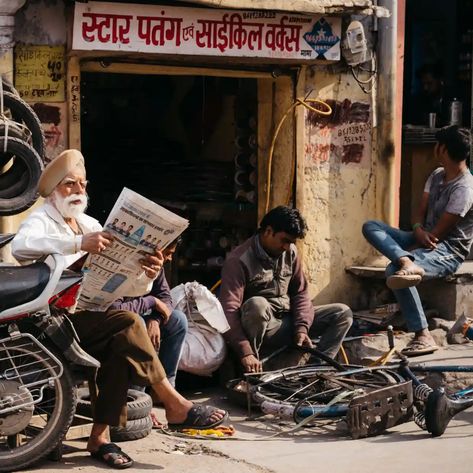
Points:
x=139, y=227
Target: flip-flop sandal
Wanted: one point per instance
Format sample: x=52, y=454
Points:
x=114, y=453
x=198, y=417
x=418, y=347
x=404, y=278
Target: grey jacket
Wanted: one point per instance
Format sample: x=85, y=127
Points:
x=249, y=272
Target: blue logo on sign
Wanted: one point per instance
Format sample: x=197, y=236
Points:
x=321, y=38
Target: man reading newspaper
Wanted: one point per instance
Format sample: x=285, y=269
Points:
x=117, y=338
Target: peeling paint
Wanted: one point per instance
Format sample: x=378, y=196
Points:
x=338, y=191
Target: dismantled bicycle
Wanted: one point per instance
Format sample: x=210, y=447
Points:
x=372, y=399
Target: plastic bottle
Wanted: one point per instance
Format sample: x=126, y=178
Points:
x=455, y=112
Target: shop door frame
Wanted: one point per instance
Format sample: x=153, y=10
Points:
x=275, y=94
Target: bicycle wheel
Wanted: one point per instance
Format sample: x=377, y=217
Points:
x=303, y=391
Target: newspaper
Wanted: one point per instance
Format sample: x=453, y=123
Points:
x=139, y=227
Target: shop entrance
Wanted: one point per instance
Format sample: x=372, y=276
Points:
x=188, y=143
x=437, y=87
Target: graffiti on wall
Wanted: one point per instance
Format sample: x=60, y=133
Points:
x=343, y=137
x=39, y=73
x=74, y=94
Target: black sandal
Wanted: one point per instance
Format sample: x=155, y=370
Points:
x=198, y=417
x=114, y=453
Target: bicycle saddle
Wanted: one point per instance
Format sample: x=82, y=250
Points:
x=440, y=410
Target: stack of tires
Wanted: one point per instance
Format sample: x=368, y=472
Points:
x=22, y=152
x=139, y=423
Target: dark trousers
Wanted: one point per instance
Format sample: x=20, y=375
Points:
x=267, y=328
x=118, y=339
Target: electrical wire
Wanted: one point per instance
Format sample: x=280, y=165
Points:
x=366, y=85
x=306, y=103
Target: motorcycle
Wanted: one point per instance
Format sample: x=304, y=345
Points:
x=41, y=360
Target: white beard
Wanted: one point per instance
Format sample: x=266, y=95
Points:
x=65, y=206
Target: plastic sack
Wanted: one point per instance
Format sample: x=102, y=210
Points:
x=204, y=348
x=200, y=305
x=203, y=351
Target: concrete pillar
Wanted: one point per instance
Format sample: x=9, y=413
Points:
x=8, y=8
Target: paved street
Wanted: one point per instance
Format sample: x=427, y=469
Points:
x=404, y=449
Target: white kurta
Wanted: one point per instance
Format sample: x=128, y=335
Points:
x=45, y=232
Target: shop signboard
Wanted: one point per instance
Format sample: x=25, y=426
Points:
x=101, y=26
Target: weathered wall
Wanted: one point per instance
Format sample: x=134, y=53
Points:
x=40, y=22
x=339, y=185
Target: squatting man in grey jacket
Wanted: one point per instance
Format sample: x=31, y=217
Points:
x=265, y=294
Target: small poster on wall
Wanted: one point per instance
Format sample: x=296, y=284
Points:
x=40, y=73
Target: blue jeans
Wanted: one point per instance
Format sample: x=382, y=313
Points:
x=437, y=263
x=172, y=340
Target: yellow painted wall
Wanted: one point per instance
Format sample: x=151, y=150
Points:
x=338, y=197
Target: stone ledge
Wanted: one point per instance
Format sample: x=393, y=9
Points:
x=464, y=273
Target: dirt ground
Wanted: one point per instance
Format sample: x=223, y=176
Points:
x=324, y=447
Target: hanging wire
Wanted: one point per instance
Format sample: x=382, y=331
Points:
x=306, y=103
x=366, y=85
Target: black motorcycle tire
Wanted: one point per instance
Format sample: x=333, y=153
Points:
x=134, y=430
x=19, y=458
x=21, y=112
x=18, y=185
x=138, y=406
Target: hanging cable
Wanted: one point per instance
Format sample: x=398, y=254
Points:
x=306, y=103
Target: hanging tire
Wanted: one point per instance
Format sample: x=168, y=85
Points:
x=12, y=130
x=18, y=185
x=138, y=406
x=8, y=86
x=21, y=112
x=134, y=430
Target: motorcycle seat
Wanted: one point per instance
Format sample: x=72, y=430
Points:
x=21, y=284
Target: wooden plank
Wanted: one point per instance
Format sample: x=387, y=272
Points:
x=153, y=69
x=79, y=431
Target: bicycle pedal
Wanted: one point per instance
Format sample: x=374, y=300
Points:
x=373, y=413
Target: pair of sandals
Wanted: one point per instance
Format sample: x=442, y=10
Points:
x=198, y=417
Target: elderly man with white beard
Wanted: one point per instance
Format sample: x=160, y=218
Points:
x=117, y=338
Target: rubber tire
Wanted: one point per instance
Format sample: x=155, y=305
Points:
x=9, y=87
x=138, y=406
x=20, y=193
x=21, y=112
x=13, y=132
x=13, y=460
x=134, y=430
